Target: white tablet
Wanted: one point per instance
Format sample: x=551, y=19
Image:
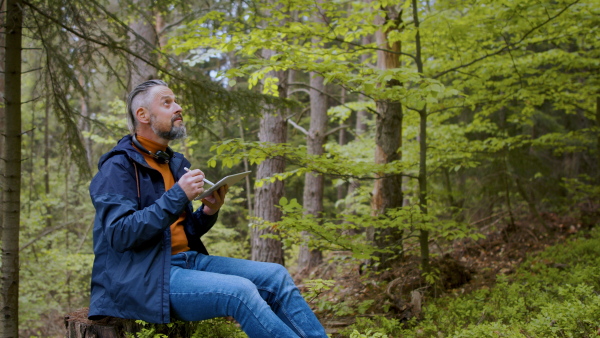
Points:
x=227, y=180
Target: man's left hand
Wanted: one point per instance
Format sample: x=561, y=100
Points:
x=214, y=202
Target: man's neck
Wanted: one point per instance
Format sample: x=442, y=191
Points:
x=150, y=145
x=149, y=134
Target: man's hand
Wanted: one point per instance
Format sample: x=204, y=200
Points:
x=192, y=183
x=214, y=202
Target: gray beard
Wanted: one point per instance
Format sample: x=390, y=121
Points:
x=174, y=133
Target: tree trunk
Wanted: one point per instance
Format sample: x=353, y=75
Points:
x=314, y=183
x=78, y=325
x=360, y=128
x=598, y=142
x=342, y=189
x=424, y=233
x=12, y=173
x=84, y=124
x=47, y=161
x=387, y=192
x=2, y=113
x=273, y=129
x=246, y=168
x=143, y=42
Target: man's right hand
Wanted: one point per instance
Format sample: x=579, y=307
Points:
x=192, y=183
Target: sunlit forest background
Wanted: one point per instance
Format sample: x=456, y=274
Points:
x=422, y=168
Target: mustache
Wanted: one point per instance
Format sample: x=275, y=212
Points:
x=176, y=117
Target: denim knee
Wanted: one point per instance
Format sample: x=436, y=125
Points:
x=279, y=272
x=244, y=286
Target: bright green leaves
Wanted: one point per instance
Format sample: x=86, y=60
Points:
x=342, y=112
x=335, y=162
x=501, y=80
x=328, y=230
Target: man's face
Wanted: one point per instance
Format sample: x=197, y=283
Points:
x=165, y=114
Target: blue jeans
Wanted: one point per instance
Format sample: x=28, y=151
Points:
x=261, y=296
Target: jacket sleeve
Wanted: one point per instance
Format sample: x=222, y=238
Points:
x=114, y=195
x=200, y=221
x=203, y=221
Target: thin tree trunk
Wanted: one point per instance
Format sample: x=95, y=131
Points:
x=342, y=189
x=12, y=173
x=511, y=226
x=448, y=184
x=144, y=27
x=359, y=129
x=273, y=129
x=2, y=112
x=161, y=23
x=387, y=192
x=47, y=161
x=314, y=183
x=531, y=204
x=424, y=233
x=84, y=124
x=246, y=168
x=598, y=126
x=310, y=258
x=31, y=163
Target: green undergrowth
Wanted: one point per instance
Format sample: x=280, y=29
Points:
x=214, y=328
x=554, y=294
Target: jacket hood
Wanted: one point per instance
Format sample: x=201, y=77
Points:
x=124, y=146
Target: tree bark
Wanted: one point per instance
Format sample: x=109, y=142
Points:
x=47, y=161
x=387, y=192
x=360, y=128
x=314, y=183
x=598, y=132
x=143, y=42
x=424, y=233
x=2, y=112
x=78, y=326
x=84, y=124
x=273, y=129
x=12, y=173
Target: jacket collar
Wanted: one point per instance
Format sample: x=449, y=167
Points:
x=125, y=146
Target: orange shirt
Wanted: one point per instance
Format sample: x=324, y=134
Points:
x=179, y=242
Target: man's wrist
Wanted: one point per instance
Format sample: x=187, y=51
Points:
x=210, y=212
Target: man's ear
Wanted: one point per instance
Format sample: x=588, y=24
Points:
x=142, y=115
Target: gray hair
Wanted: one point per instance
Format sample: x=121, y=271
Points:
x=137, y=98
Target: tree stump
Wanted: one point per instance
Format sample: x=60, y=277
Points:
x=78, y=325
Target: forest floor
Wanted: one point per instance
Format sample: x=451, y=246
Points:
x=464, y=266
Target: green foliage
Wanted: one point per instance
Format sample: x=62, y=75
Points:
x=368, y=334
x=214, y=328
x=316, y=287
x=111, y=125
x=510, y=91
x=377, y=326
x=218, y=328
x=327, y=231
x=554, y=294
x=582, y=189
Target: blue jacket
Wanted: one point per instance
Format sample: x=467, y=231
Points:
x=132, y=235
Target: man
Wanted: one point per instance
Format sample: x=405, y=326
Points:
x=150, y=263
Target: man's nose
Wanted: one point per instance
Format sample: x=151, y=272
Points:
x=178, y=108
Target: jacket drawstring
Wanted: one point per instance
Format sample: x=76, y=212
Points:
x=137, y=181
